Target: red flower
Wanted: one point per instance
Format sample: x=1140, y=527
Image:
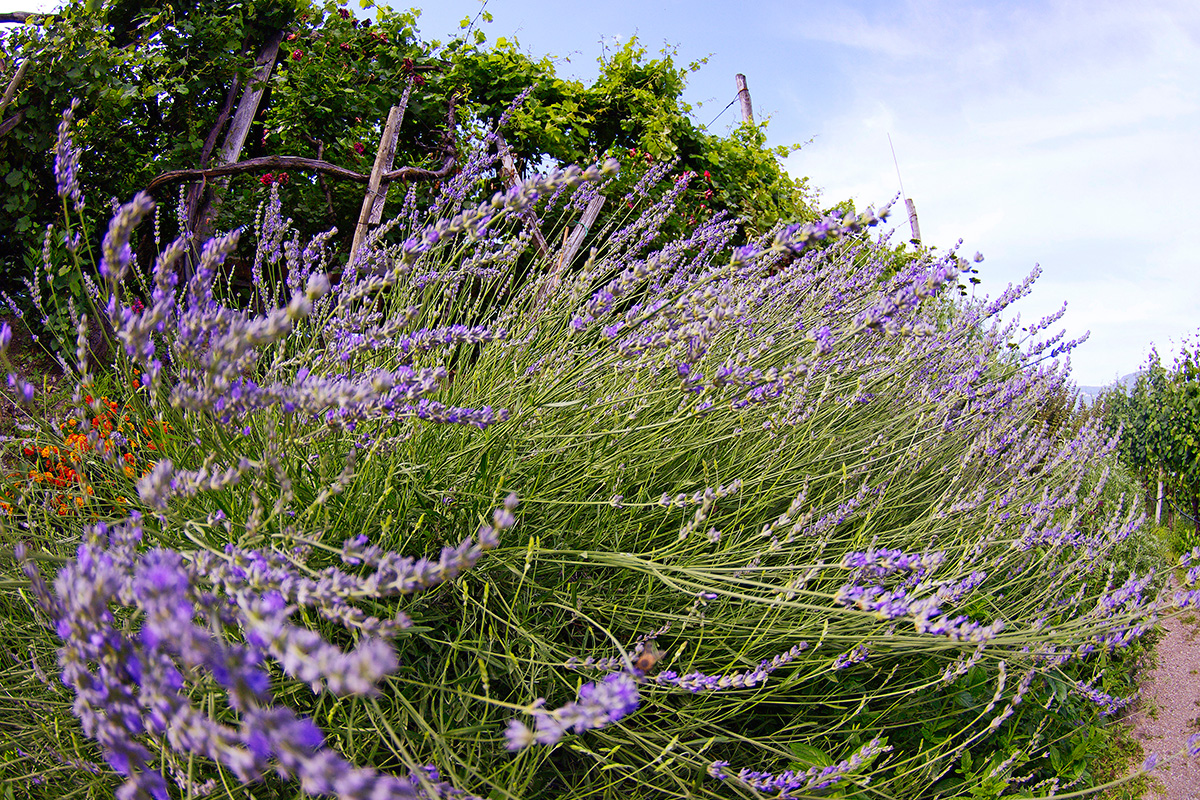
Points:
x=297, y=55
x=343, y=13
x=291, y=37
x=707, y=176
x=358, y=148
x=267, y=179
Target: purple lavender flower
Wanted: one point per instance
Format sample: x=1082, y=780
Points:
x=129, y=683
x=66, y=159
x=599, y=705
x=790, y=784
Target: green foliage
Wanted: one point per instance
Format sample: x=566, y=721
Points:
x=1159, y=420
x=153, y=78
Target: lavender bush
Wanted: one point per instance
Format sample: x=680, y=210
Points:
x=681, y=518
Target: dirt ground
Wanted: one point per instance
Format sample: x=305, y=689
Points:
x=1169, y=709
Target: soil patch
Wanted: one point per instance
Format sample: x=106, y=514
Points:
x=1169, y=709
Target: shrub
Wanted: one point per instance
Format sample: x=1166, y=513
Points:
x=705, y=521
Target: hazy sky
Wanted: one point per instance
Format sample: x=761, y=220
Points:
x=1059, y=133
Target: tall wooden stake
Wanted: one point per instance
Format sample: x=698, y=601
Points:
x=508, y=171
x=744, y=97
x=571, y=245
x=912, y=219
x=1158, y=504
x=208, y=204
x=372, y=207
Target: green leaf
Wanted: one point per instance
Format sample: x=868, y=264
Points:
x=810, y=756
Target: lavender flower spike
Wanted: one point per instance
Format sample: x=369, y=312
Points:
x=788, y=784
x=116, y=254
x=599, y=705
x=66, y=159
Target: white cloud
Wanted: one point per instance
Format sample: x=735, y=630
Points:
x=1062, y=133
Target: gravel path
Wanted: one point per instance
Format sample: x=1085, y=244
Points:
x=1169, y=709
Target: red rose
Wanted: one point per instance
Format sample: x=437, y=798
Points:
x=358, y=148
x=297, y=55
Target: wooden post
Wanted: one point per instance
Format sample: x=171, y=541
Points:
x=508, y=171
x=17, y=77
x=207, y=206
x=1158, y=505
x=585, y=223
x=744, y=97
x=571, y=245
x=373, y=202
x=912, y=220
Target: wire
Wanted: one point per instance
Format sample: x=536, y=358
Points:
x=897, y=163
x=723, y=110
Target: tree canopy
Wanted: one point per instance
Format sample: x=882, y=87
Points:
x=167, y=86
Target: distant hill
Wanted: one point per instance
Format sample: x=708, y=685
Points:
x=1090, y=393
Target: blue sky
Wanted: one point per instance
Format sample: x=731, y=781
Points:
x=1060, y=133
x=1063, y=134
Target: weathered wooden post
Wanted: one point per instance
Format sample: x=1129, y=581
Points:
x=912, y=220
x=207, y=204
x=377, y=186
x=908, y=203
x=571, y=245
x=508, y=171
x=1158, y=505
x=744, y=97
